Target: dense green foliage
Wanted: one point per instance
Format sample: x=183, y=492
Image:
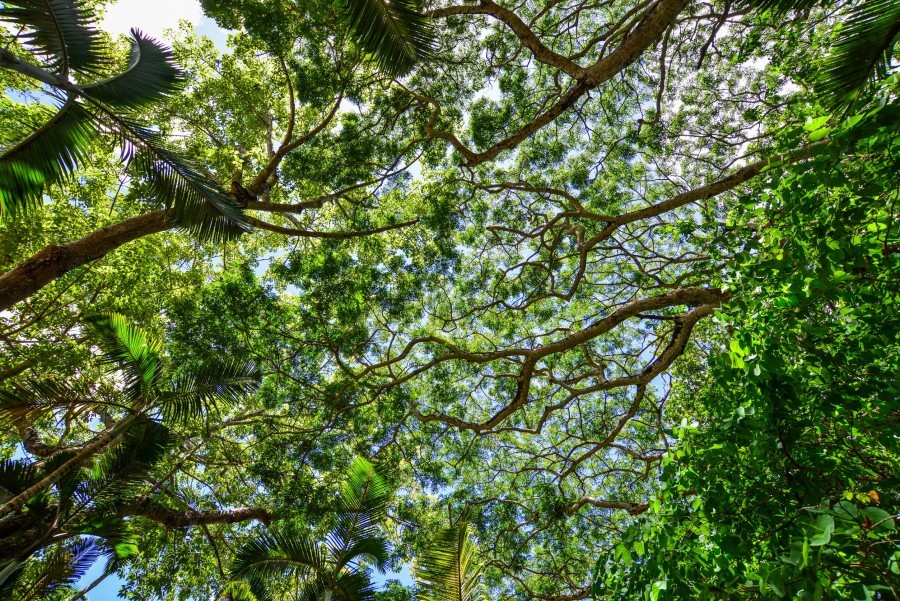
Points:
x=503, y=300
x=801, y=404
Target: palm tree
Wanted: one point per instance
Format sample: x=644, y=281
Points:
x=863, y=49
x=394, y=32
x=332, y=570
x=148, y=390
x=85, y=523
x=67, y=50
x=448, y=570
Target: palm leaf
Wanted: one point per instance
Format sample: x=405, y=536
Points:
x=22, y=403
x=124, y=467
x=208, y=387
x=240, y=590
x=354, y=586
x=152, y=75
x=10, y=573
x=362, y=504
x=119, y=541
x=393, y=31
x=16, y=476
x=863, y=50
x=129, y=349
x=373, y=548
x=200, y=206
x=275, y=554
x=62, y=32
x=57, y=147
x=59, y=567
x=447, y=570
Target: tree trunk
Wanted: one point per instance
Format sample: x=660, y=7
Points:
x=97, y=445
x=58, y=259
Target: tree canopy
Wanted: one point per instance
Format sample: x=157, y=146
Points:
x=523, y=300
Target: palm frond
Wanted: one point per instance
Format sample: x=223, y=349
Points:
x=361, y=504
x=354, y=586
x=10, y=573
x=66, y=486
x=62, y=32
x=131, y=350
x=395, y=32
x=275, y=554
x=152, y=75
x=200, y=206
x=371, y=548
x=780, y=7
x=125, y=467
x=237, y=590
x=863, y=50
x=119, y=541
x=15, y=476
x=56, y=147
x=22, y=403
x=81, y=556
x=447, y=570
x=61, y=566
x=207, y=388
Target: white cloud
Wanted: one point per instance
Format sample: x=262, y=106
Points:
x=151, y=17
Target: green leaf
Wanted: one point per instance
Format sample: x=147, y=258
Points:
x=62, y=32
x=207, y=388
x=825, y=526
x=879, y=516
x=864, y=47
x=52, y=152
x=447, y=569
x=394, y=31
x=125, y=346
x=152, y=75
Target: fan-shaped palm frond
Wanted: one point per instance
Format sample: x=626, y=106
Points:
x=863, y=50
x=56, y=147
x=10, y=574
x=62, y=32
x=447, y=570
x=118, y=541
x=249, y=589
x=354, y=585
x=129, y=349
x=372, y=548
x=61, y=566
x=395, y=32
x=208, y=387
x=152, y=75
x=200, y=206
x=866, y=37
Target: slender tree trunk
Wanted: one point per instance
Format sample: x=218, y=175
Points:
x=58, y=259
x=100, y=442
x=82, y=594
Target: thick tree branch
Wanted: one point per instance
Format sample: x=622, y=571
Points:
x=58, y=259
x=175, y=518
x=632, y=508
